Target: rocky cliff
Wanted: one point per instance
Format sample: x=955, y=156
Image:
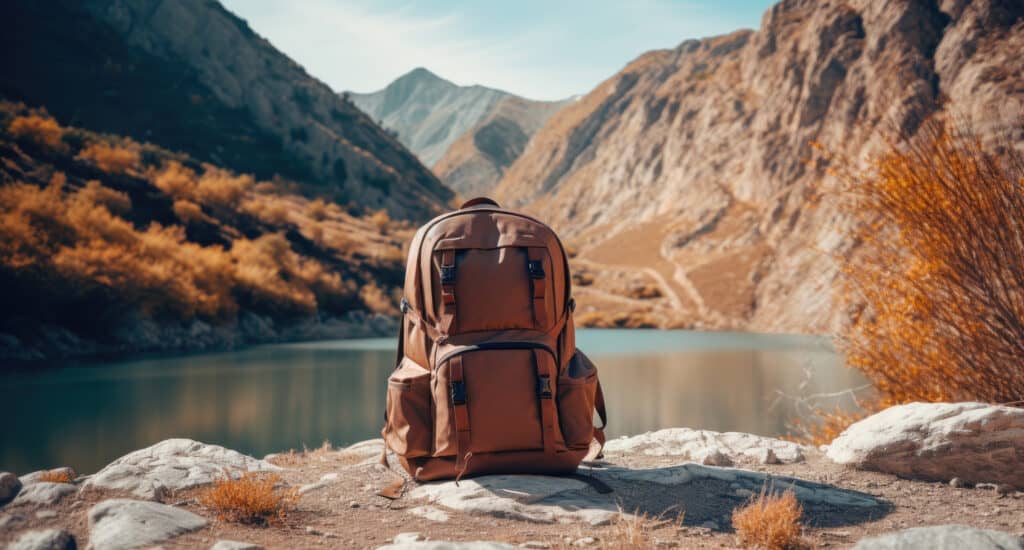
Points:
x=191, y=76
x=470, y=134
x=691, y=171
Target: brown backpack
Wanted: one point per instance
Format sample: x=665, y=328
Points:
x=488, y=378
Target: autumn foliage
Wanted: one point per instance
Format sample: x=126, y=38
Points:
x=936, y=287
x=251, y=497
x=770, y=521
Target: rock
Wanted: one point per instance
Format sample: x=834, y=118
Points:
x=353, y=504
x=535, y=545
x=585, y=541
x=710, y=525
x=408, y=537
x=957, y=483
x=714, y=457
x=172, y=465
x=558, y=499
x=43, y=493
x=694, y=445
x=942, y=537
x=325, y=480
x=46, y=514
x=234, y=545
x=124, y=523
x=446, y=545
x=430, y=512
x=976, y=442
x=47, y=539
x=767, y=456
x=9, y=487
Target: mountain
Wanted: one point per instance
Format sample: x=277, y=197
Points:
x=110, y=245
x=192, y=77
x=687, y=183
x=433, y=117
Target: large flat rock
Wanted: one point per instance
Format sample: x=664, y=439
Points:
x=697, y=445
x=120, y=524
x=943, y=537
x=43, y=493
x=976, y=442
x=706, y=493
x=44, y=539
x=173, y=464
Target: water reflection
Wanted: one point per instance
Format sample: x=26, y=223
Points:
x=271, y=398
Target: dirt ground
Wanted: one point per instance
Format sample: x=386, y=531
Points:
x=348, y=513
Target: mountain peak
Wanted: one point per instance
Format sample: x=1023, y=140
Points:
x=421, y=75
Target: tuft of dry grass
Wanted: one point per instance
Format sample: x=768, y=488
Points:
x=113, y=158
x=57, y=476
x=42, y=130
x=250, y=498
x=935, y=290
x=770, y=521
x=381, y=221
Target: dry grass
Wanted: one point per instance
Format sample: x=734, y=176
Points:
x=628, y=531
x=39, y=129
x=770, y=521
x=936, y=290
x=381, y=221
x=250, y=498
x=116, y=158
x=57, y=476
x=644, y=291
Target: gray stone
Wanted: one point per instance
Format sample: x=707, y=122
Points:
x=46, y=539
x=430, y=512
x=172, y=465
x=767, y=456
x=325, y=481
x=446, y=545
x=694, y=445
x=714, y=457
x=957, y=483
x=585, y=541
x=9, y=487
x=124, y=523
x=943, y=537
x=43, y=493
x=535, y=545
x=543, y=499
x=976, y=442
x=234, y=545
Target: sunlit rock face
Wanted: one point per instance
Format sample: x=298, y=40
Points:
x=696, y=163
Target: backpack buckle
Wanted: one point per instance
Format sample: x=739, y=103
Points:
x=458, y=393
x=544, y=386
x=447, y=274
x=404, y=305
x=536, y=268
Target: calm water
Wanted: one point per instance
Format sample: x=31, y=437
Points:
x=273, y=398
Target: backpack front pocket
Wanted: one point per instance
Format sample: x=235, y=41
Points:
x=577, y=391
x=409, y=427
x=500, y=388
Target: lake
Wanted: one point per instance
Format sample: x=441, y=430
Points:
x=277, y=397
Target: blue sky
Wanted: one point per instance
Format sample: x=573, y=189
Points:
x=538, y=49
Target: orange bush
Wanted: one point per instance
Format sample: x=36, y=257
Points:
x=56, y=476
x=42, y=130
x=249, y=498
x=770, y=522
x=188, y=211
x=113, y=158
x=381, y=220
x=936, y=289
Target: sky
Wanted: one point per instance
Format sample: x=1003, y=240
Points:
x=534, y=48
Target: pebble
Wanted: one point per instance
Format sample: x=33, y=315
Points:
x=404, y=538
x=986, y=486
x=957, y=483
x=767, y=456
x=46, y=514
x=353, y=504
x=585, y=541
x=536, y=545
x=710, y=525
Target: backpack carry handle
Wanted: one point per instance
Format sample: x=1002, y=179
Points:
x=479, y=201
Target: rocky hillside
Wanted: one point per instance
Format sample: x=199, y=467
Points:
x=688, y=182
x=109, y=245
x=470, y=134
x=192, y=77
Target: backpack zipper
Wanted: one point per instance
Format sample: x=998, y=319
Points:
x=493, y=346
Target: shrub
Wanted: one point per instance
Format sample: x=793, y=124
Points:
x=250, y=498
x=381, y=221
x=936, y=290
x=41, y=130
x=770, y=521
x=112, y=158
x=57, y=476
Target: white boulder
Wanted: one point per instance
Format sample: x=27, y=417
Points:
x=119, y=524
x=45, y=539
x=698, y=445
x=975, y=442
x=43, y=493
x=173, y=464
x=943, y=537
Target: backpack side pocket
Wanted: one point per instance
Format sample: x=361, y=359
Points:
x=409, y=428
x=577, y=390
